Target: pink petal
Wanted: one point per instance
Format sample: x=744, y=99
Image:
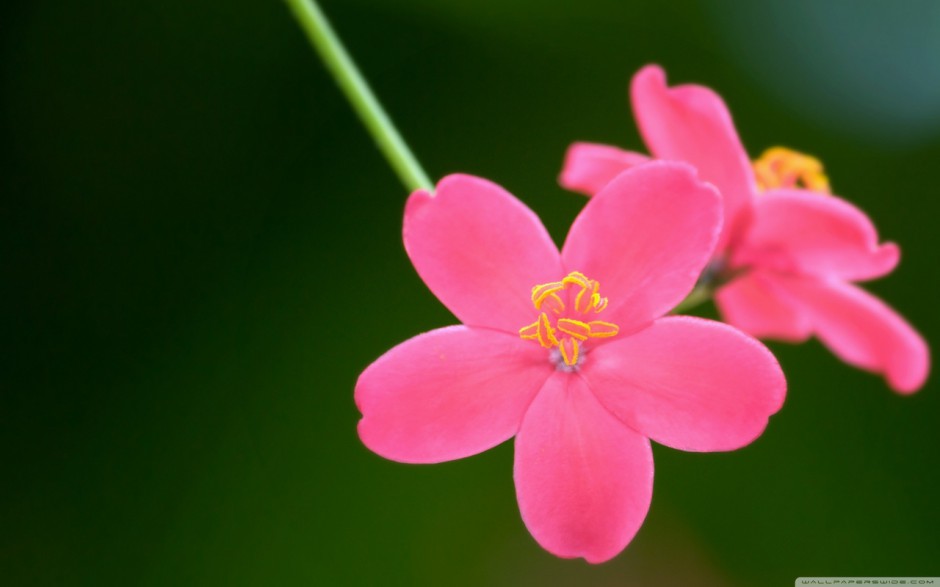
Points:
x=752, y=304
x=448, y=394
x=589, y=167
x=691, y=123
x=480, y=250
x=862, y=330
x=689, y=383
x=818, y=234
x=646, y=238
x=584, y=480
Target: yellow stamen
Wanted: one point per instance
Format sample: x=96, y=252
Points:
x=548, y=293
x=570, y=351
x=545, y=332
x=780, y=167
x=588, y=297
x=576, y=278
x=530, y=332
x=603, y=329
x=578, y=299
x=567, y=333
x=574, y=328
x=597, y=302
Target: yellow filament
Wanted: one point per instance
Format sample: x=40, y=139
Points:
x=780, y=167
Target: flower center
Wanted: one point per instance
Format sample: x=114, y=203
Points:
x=780, y=167
x=565, y=308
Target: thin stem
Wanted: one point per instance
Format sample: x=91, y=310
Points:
x=357, y=91
x=697, y=296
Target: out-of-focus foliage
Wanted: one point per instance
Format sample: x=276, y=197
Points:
x=202, y=251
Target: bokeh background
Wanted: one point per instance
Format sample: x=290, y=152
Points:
x=201, y=251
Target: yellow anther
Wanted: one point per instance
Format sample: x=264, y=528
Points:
x=570, y=351
x=545, y=332
x=597, y=302
x=574, y=328
x=530, y=332
x=780, y=167
x=553, y=304
x=576, y=278
x=547, y=293
x=601, y=329
x=539, y=292
x=579, y=299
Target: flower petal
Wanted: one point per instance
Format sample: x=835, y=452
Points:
x=646, y=238
x=691, y=123
x=589, y=167
x=448, y=394
x=862, y=330
x=480, y=250
x=818, y=234
x=689, y=383
x=751, y=303
x=584, y=480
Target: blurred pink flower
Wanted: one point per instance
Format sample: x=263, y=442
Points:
x=789, y=252
x=569, y=351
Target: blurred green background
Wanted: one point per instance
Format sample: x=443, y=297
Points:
x=201, y=251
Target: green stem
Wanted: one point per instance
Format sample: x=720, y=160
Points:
x=357, y=91
x=697, y=296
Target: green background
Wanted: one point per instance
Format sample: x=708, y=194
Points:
x=201, y=251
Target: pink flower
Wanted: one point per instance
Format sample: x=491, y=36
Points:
x=789, y=253
x=568, y=351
